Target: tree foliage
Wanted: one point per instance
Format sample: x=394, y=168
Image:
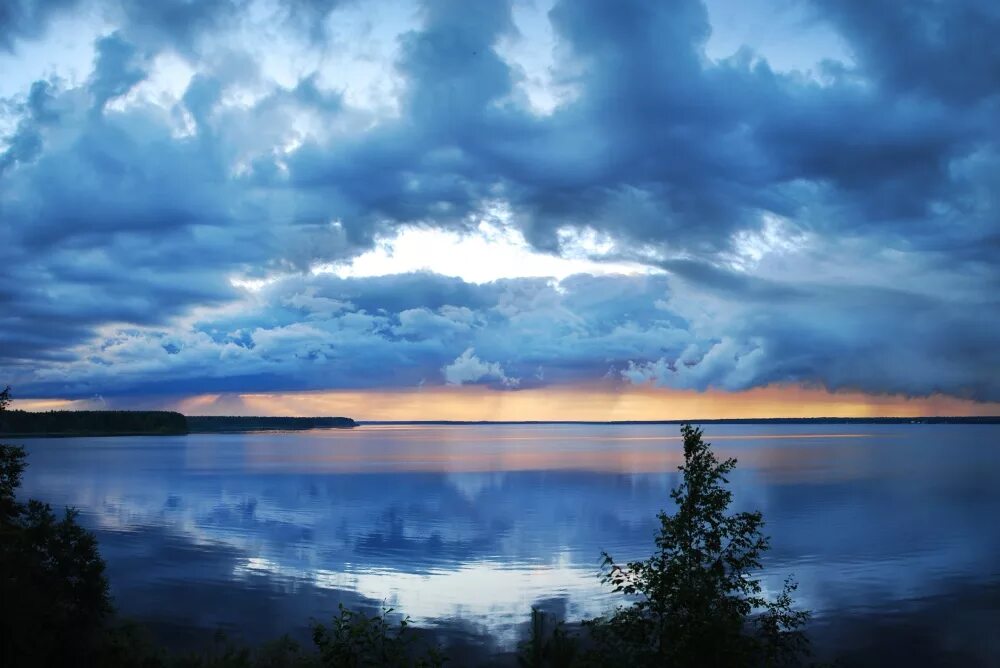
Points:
x=356, y=640
x=52, y=580
x=696, y=601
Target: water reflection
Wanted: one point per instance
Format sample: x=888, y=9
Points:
x=476, y=524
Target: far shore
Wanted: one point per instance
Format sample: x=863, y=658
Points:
x=66, y=424
x=83, y=424
x=936, y=419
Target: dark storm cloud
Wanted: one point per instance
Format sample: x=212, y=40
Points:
x=660, y=145
x=942, y=50
x=21, y=19
x=176, y=22
x=117, y=70
x=695, y=150
x=124, y=215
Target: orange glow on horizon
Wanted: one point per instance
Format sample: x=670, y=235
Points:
x=600, y=403
x=585, y=403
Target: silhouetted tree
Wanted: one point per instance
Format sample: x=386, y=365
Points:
x=52, y=587
x=696, y=599
x=356, y=640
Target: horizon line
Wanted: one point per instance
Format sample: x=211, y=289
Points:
x=828, y=418
x=900, y=419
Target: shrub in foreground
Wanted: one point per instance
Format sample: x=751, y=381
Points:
x=697, y=601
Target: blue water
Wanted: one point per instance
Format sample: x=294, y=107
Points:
x=891, y=530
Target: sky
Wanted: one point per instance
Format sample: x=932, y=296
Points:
x=503, y=209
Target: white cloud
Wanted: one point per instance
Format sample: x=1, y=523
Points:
x=492, y=252
x=727, y=364
x=784, y=33
x=467, y=368
x=777, y=236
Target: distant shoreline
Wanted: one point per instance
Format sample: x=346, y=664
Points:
x=79, y=424
x=85, y=434
x=86, y=424
x=981, y=419
x=216, y=424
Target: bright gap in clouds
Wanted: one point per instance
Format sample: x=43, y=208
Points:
x=492, y=252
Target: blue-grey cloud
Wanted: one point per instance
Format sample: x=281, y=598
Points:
x=326, y=332
x=20, y=19
x=124, y=217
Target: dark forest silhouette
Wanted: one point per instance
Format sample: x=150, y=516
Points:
x=142, y=423
x=218, y=423
x=96, y=423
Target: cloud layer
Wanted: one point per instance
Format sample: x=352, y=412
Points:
x=834, y=225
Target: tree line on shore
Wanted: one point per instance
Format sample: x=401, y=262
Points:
x=695, y=602
x=150, y=423
x=83, y=423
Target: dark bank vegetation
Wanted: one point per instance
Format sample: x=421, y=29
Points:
x=16, y=423
x=695, y=602
x=91, y=423
x=222, y=423
x=55, y=601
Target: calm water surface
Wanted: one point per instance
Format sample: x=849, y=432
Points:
x=891, y=530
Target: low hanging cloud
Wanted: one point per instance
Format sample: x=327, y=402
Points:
x=467, y=368
x=324, y=332
x=726, y=364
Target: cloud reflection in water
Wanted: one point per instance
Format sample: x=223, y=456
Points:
x=478, y=523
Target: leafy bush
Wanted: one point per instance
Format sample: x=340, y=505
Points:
x=52, y=582
x=356, y=640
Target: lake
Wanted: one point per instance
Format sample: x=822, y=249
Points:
x=891, y=530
